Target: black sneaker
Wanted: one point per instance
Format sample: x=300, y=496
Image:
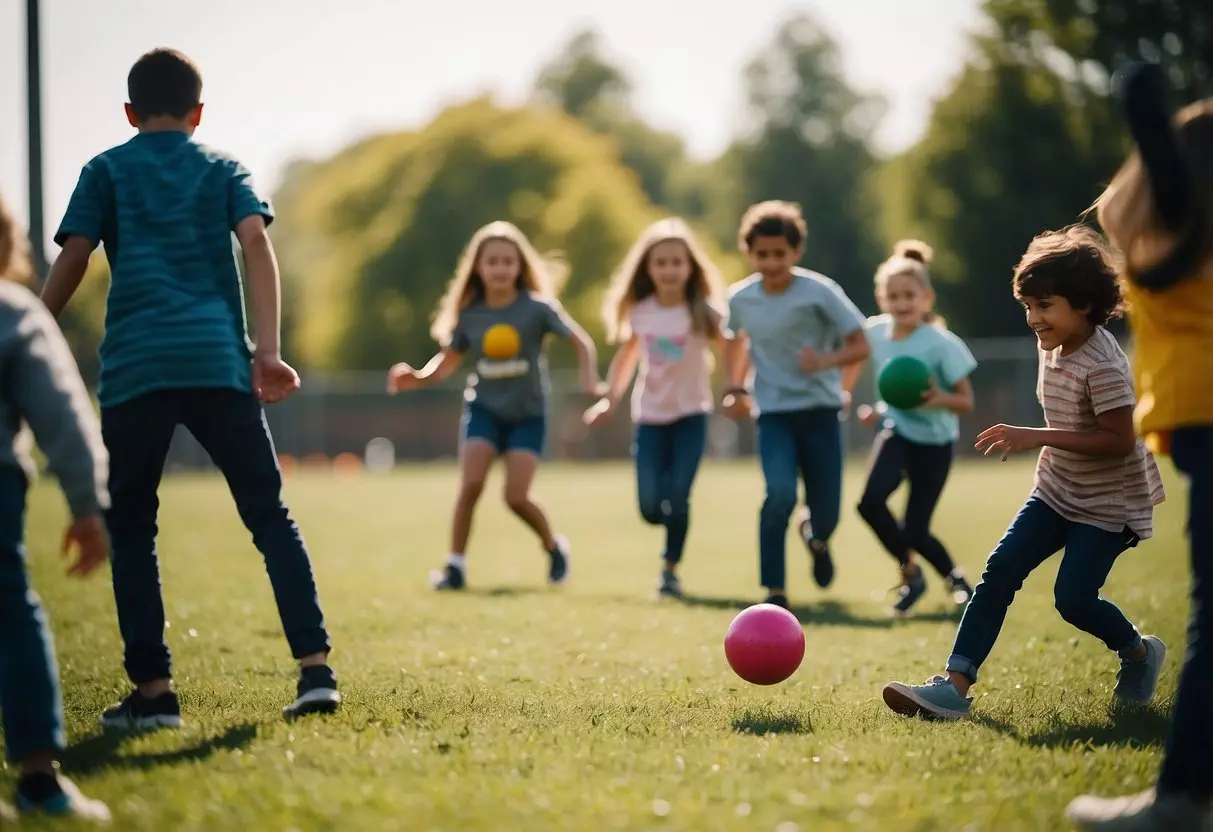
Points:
x=449, y=577
x=819, y=551
x=670, y=587
x=778, y=599
x=558, y=561
x=316, y=694
x=960, y=589
x=140, y=713
x=909, y=593
x=56, y=796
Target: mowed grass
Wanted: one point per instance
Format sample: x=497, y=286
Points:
x=513, y=706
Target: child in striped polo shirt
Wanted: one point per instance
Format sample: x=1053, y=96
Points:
x=1096, y=484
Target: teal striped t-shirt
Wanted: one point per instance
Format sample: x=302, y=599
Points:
x=164, y=207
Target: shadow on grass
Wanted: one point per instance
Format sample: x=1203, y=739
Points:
x=823, y=613
x=99, y=752
x=762, y=722
x=1127, y=726
x=507, y=591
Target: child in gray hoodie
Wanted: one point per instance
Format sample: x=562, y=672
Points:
x=40, y=386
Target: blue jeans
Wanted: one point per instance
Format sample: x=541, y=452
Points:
x=1036, y=534
x=30, y=703
x=504, y=435
x=667, y=459
x=799, y=444
x=230, y=425
x=1187, y=765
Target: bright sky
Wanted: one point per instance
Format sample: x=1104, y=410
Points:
x=285, y=78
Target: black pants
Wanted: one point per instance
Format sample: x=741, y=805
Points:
x=230, y=425
x=1187, y=765
x=895, y=458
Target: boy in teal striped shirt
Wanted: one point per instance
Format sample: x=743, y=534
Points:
x=176, y=352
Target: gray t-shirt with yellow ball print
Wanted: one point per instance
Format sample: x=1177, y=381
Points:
x=509, y=377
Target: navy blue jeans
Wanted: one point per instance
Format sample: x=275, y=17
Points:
x=230, y=425
x=797, y=445
x=30, y=702
x=1187, y=765
x=1036, y=534
x=667, y=459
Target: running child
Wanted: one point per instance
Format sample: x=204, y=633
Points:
x=497, y=311
x=1096, y=485
x=916, y=444
x=664, y=311
x=1159, y=213
x=176, y=352
x=40, y=386
x=797, y=329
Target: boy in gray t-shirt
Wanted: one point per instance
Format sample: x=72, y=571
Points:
x=797, y=329
x=497, y=312
x=41, y=388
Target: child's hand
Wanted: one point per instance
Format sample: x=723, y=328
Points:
x=598, y=412
x=1006, y=440
x=402, y=377
x=92, y=542
x=273, y=378
x=932, y=395
x=737, y=406
x=867, y=415
x=592, y=385
x=811, y=361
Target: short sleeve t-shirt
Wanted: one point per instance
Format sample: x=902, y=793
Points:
x=515, y=386
x=812, y=312
x=674, y=379
x=1108, y=493
x=949, y=361
x=164, y=207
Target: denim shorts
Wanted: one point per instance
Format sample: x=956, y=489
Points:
x=504, y=435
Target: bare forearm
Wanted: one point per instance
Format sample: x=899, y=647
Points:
x=64, y=279
x=619, y=374
x=852, y=352
x=265, y=293
x=734, y=362
x=850, y=375
x=1095, y=443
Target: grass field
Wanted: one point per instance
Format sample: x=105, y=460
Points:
x=595, y=707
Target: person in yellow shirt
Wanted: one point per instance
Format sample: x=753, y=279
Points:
x=1159, y=212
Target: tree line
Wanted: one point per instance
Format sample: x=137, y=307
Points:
x=1023, y=140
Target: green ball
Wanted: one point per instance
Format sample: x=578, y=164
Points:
x=902, y=382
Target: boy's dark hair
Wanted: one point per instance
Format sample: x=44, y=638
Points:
x=164, y=82
x=1074, y=263
x=773, y=218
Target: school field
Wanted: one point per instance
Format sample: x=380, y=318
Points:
x=594, y=707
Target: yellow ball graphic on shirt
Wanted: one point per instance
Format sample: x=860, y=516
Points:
x=500, y=342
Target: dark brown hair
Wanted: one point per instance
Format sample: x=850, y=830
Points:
x=1074, y=263
x=773, y=218
x=164, y=82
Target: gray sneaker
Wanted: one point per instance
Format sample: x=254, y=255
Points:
x=937, y=699
x=670, y=587
x=1144, y=812
x=1136, y=681
x=909, y=593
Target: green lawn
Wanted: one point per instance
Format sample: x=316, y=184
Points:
x=516, y=707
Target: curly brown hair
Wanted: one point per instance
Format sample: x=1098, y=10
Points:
x=773, y=218
x=1074, y=263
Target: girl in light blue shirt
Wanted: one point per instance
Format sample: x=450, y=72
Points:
x=915, y=444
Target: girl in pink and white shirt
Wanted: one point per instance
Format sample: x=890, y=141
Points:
x=663, y=309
